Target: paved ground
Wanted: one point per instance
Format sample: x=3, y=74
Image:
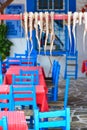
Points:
x=77, y=102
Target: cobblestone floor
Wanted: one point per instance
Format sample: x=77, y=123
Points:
x=77, y=102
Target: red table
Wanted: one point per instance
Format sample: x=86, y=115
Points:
x=84, y=66
x=16, y=69
x=16, y=120
x=41, y=97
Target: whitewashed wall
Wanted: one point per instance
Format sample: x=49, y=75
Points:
x=20, y=44
x=80, y=4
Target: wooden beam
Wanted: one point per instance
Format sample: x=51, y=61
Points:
x=5, y=4
x=17, y=17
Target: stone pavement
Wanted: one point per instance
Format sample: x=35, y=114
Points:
x=77, y=102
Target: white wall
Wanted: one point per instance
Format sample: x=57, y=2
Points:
x=20, y=44
x=80, y=4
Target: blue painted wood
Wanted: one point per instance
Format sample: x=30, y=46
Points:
x=21, y=55
x=28, y=62
x=54, y=53
x=22, y=80
x=71, y=60
x=55, y=87
x=66, y=92
x=11, y=61
x=35, y=73
x=24, y=89
x=14, y=26
x=21, y=92
x=19, y=60
x=6, y=101
x=3, y=123
x=62, y=119
x=31, y=5
x=53, y=91
x=72, y=5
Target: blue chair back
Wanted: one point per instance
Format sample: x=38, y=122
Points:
x=12, y=61
x=20, y=55
x=66, y=92
x=6, y=101
x=35, y=73
x=56, y=83
x=28, y=62
x=3, y=123
x=23, y=95
x=22, y=80
x=46, y=119
x=53, y=91
x=24, y=92
x=54, y=69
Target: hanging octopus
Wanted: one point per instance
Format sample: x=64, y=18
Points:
x=47, y=30
x=26, y=24
x=80, y=18
x=52, y=36
x=36, y=28
x=85, y=30
x=31, y=17
x=69, y=27
x=41, y=15
x=75, y=20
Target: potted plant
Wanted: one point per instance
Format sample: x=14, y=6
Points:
x=5, y=44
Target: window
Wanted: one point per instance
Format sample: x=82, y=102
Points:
x=50, y=4
x=14, y=26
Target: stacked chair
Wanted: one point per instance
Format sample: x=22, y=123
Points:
x=27, y=62
x=22, y=90
x=53, y=83
x=54, y=119
x=23, y=93
x=20, y=61
x=62, y=119
x=31, y=72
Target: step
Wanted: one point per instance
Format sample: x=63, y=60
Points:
x=71, y=71
x=71, y=58
x=71, y=75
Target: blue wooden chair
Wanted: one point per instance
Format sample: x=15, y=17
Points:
x=22, y=80
x=24, y=95
x=27, y=62
x=35, y=73
x=3, y=123
x=52, y=119
x=6, y=101
x=12, y=61
x=21, y=55
x=53, y=90
x=54, y=66
x=66, y=92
